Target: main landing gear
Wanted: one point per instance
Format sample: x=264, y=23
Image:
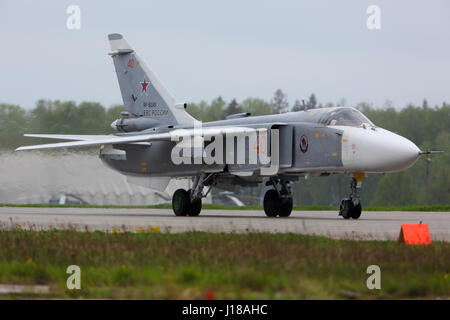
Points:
x=351, y=207
x=189, y=203
x=278, y=201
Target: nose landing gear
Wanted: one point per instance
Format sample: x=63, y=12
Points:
x=351, y=207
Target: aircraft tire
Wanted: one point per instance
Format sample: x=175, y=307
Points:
x=286, y=205
x=181, y=202
x=345, y=209
x=195, y=207
x=271, y=203
x=356, y=211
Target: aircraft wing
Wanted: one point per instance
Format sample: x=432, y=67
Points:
x=84, y=143
x=93, y=140
x=79, y=137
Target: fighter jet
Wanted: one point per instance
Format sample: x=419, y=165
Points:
x=157, y=140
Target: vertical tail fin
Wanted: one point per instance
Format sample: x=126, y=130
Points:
x=142, y=92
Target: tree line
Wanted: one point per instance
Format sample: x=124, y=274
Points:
x=427, y=182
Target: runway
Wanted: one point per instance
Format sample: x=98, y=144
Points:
x=370, y=226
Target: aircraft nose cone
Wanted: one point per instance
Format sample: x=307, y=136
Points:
x=398, y=152
x=406, y=153
x=379, y=151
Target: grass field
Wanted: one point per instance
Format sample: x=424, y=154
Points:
x=225, y=266
x=438, y=207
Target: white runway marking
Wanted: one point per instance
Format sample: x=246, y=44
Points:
x=371, y=225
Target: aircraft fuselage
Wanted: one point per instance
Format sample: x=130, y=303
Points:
x=306, y=146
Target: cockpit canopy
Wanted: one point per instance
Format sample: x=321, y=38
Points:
x=344, y=117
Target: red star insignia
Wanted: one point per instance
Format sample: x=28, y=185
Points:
x=144, y=85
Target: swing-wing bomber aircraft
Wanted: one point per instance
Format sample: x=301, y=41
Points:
x=316, y=142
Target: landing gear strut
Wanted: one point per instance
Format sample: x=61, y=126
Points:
x=351, y=207
x=278, y=201
x=189, y=203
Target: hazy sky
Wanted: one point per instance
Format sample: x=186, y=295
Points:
x=203, y=49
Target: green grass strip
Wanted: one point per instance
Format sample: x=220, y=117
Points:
x=233, y=266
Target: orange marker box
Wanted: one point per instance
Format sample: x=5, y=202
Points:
x=414, y=234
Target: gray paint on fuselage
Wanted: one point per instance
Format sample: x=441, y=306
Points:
x=324, y=147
